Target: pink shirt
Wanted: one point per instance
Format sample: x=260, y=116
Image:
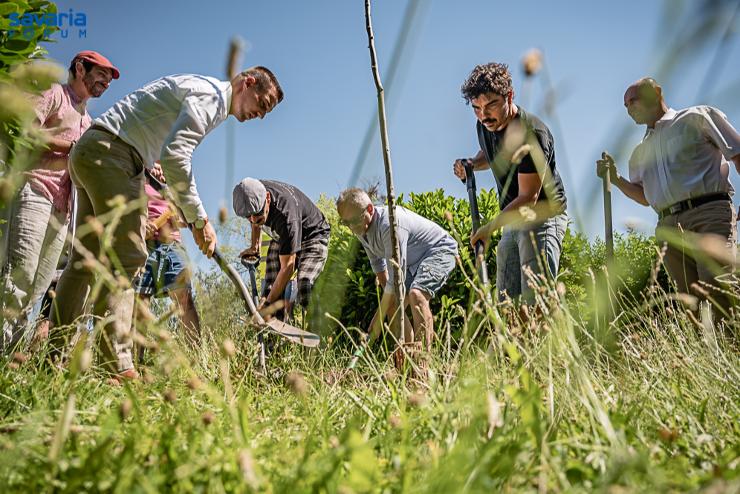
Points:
x=62, y=113
x=156, y=206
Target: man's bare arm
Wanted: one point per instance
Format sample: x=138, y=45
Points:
x=254, y=248
x=479, y=163
x=382, y=278
x=633, y=191
x=387, y=306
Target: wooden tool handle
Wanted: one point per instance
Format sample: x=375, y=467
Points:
x=163, y=219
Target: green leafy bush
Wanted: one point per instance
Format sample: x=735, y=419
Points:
x=634, y=257
x=16, y=47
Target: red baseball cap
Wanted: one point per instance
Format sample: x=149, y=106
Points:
x=98, y=59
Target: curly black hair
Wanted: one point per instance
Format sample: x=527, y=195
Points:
x=488, y=78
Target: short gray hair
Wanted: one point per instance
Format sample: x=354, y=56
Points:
x=355, y=198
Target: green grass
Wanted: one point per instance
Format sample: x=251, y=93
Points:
x=517, y=409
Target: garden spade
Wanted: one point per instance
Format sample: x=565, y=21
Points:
x=480, y=254
x=608, y=230
x=295, y=335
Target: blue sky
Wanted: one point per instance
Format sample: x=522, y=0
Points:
x=318, y=50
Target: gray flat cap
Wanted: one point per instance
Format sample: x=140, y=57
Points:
x=249, y=197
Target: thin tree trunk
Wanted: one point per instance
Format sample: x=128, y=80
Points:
x=407, y=36
x=396, y=261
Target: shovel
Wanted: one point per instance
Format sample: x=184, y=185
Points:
x=480, y=255
x=291, y=333
x=251, y=265
x=608, y=230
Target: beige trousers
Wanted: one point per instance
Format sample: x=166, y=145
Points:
x=102, y=167
x=700, y=243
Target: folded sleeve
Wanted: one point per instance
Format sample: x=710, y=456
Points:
x=377, y=264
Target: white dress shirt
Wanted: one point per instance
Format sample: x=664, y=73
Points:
x=685, y=156
x=165, y=120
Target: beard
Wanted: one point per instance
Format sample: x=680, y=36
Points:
x=94, y=88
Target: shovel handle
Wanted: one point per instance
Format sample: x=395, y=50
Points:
x=608, y=228
x=236, y=279
x=356, y=357
x=479, y=247
x=468, y=166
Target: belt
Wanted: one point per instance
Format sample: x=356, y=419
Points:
x=692, y=203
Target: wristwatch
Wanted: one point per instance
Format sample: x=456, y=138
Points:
x=200, y=223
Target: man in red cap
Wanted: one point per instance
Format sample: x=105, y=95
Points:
x=40, y=212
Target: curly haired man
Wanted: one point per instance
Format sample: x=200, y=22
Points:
x=520, y=151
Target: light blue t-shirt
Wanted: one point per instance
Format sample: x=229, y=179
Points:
x=418, y=238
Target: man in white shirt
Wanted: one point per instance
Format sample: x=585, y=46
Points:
x=163, y=121
x=681, y=170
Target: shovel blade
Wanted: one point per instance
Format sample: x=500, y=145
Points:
x=292, y=333
x=296, y=335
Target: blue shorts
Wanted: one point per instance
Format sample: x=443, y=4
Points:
x=433, y=272
x=166, y=270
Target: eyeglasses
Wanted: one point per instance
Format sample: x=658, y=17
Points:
x=355, y=221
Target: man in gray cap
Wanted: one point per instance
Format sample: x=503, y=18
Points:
x=299, y=233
